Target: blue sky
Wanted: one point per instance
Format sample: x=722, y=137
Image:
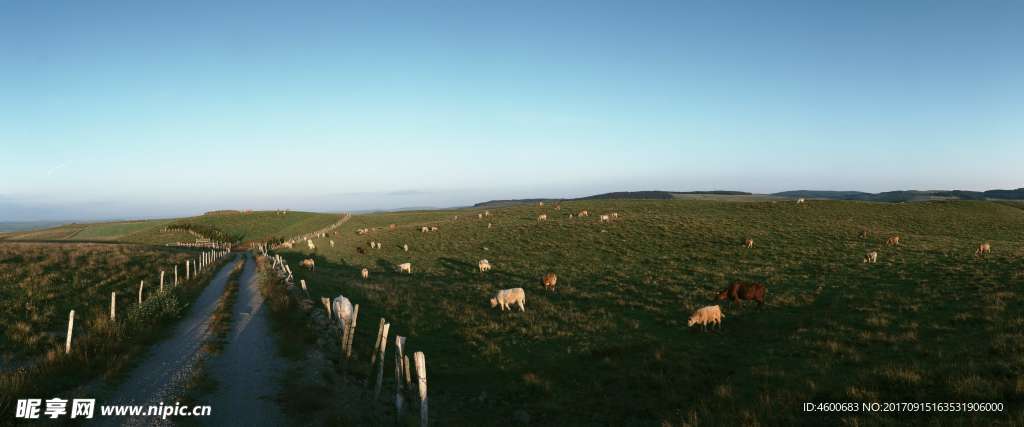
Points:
x=125, y=109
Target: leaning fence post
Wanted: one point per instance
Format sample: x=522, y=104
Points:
x=351, y=332
x=141, y=284
x=399, y=356
x=421, y=374
x=71, y=327
x=161, y=280
x=380, y=367
x=113, y=306
x=373, y=357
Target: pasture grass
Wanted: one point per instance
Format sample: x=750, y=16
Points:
x=41, y=282
x=928, y=322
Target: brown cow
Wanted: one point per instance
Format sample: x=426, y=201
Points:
x=749, y=243
x=740, y=291
x=550, y=280
x=893, y=241
x=360, y=249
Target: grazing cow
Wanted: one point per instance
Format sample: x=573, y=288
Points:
x=312, y=247
x=455, y=218
x=583, y=213
x=540, y=204
x=287, y=245
x=571, y=216
x=542, y=217
x=332, y=243
x=983, y=249
x=507, y=297
x=704, y=315
x=308, y=263
x=479, y=216
x=893, y=241
x=489, y=225
x=800, y=201
x=615, y=215
x=392, y=226
x=550, y=280
x=605, y=218
x=341, y=309
x=362, y=231
x=405, y=248
x=487, y=213
x=863, y=234
x=424, y=229
x=433, y=228
x=484, y=265
x=749, y=243
x=744, y=291
x=360, y=250
x=405, y=267
x=558, y=207
x=871, y=257
x=365, y=273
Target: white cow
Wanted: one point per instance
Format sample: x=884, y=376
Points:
x=341, y=309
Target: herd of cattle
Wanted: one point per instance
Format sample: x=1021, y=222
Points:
x=506, y=298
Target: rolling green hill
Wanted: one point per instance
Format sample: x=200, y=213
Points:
x=233, y=225
x=928, y=322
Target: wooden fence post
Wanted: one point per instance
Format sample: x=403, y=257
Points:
x=327, y=305
x=380, y=367
x=376, y=344
x=351, y=332
x=408, y=375
x=188, y=274
x=175, y=275
x=303, y=282
x=113, y=306
x=161, y=280
x=71, y=327
x=421, y=374
x=399, y=357
x=141, y=284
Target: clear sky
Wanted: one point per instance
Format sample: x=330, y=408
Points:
x=141, y=109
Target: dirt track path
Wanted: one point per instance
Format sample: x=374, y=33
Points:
x=161, y=377
x=247, y=370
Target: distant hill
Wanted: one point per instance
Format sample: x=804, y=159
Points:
x=887, y=196
x=28, y=225
x=648, y=195
x=907, y=195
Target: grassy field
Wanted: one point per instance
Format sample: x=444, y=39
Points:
x=261, y=225
x=929, y=322
x=41, y=282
